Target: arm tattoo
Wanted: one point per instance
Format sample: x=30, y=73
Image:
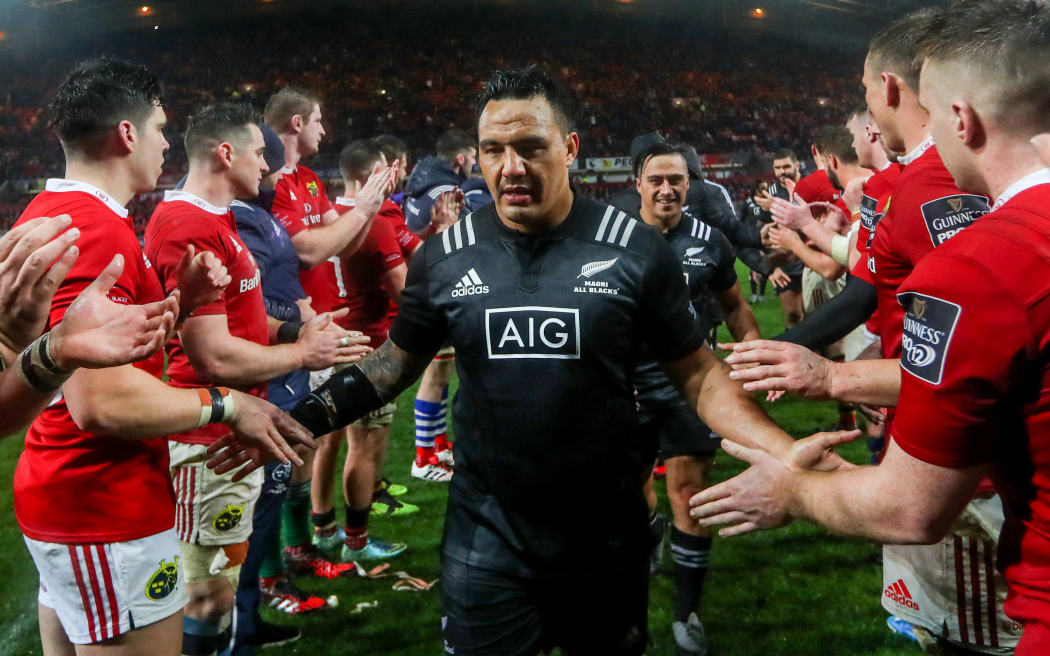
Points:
x=391, y=370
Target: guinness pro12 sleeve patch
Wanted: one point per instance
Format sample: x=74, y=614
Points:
x=947, y=216
x=928, y=328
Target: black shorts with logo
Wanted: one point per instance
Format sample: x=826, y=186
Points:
x=496, y=605
x=678, y=431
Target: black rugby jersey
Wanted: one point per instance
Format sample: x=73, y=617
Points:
x=547, y=330
x=707, y=260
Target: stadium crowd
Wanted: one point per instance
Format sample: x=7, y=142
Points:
x=291, y=322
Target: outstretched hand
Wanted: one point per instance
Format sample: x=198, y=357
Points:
x=766, y=365
x=761, y=497
x=34, y=260
x=96, y=332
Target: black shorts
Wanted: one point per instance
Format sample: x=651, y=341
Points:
x=794, y=286
x=679, y=432
x=496, y=605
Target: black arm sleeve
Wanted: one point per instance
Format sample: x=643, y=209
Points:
x=420, y=327
x=755, y=261
x=717, y=212
x=835, y=319
x=668, y=322
x=281, y=310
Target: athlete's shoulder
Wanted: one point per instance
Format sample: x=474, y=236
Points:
x=463, y=236
x=606, y=226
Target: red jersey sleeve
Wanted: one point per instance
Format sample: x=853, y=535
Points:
x=287, y=211
x=386, y=251
x=168, y=250
x=964, y=344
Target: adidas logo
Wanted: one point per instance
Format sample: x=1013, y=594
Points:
x=898, y=592
x=470, y=285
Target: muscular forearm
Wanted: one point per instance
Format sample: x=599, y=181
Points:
x=21, y=403
x=239, y=362
x=819, y=262
x=723, y=404
x=871, y=382
x=742, y=324
x=819, y=234
x=391, y=370
x=318, y=244
x=130, y=403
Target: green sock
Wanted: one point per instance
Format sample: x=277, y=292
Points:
x=295, y=515
x=272, y=564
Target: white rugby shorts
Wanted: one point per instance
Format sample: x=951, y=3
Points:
x=210, y=509
x=100, y=591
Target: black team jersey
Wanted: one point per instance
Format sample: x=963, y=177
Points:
x=547, y=330
x=707, y=260
x=777, y=190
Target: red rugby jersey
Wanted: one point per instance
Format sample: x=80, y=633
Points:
x=299, y=204
x=974, y=375
x=816, y=187
x=72, y=486
x=184, y=219
x=925, y=210
x=874, y=197
x=371, y=310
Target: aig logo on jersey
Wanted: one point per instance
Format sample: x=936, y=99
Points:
x=532, y=332
x=945, y=217
x=928, y=328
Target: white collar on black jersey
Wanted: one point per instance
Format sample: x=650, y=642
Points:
x=173, y=195
x=345, y=202
x=1040, y=177
x=905, y=160
x=61, y=185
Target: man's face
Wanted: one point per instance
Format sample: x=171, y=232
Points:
x=936, y=94
x=248, y=164
x=862, y=139
x=881, y=113
x=312, y=132
x=525, y=158
x=467, y=160
x=148, y=156
x=662, y=184
x=786, y=169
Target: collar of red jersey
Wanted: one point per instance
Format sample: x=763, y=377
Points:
x=287, y=170
x=345, y=202
x=61, y=185
x=926, y=144
x=172, y=195
x=1040, y=177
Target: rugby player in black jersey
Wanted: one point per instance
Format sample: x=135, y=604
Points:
x=547, y=297
x=688, y=446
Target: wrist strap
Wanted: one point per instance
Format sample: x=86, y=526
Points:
x=37, y=369
x=288, y=332
x=216, y=405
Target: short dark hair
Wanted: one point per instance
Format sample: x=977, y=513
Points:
x=658, y=149
x=453, y=143
x=358, y=158
x=837, y=140
x=216, y=123
x=526, y=83
x=286, y=103
x=860, y=109
x=785, y=153
x=824, y=135
x=392, y=147
x=96, y=96
x=1005, y=46
x=900, y=47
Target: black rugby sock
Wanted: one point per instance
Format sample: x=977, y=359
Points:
x=690, y=554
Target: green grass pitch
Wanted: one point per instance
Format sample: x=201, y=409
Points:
x=795, y=591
